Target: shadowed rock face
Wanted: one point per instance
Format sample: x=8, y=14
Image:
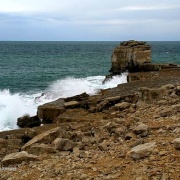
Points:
x=129, y=56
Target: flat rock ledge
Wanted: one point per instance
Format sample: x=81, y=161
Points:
x=17, y=158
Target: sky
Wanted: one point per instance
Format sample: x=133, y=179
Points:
x=89, y=20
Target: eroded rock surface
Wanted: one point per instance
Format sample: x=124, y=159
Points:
x=131, y=56
x=17, y=158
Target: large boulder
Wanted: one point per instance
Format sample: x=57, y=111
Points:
x=50, y=111
x=46, y=137
x=130, y=55
x=142, y=150
x=17, y=158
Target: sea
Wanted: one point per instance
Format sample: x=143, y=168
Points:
x=34, y=73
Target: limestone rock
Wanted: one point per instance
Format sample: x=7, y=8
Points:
x=62, y=144
x=17, y=158
x=142, y=150
x=122, y=106
x=71, y=104
x=141, y=130
x=50, y=111
x=176, y=143
x=38, y=149
x=27, y=121
x=46, y=137
x=79, y=97
x=129, y=55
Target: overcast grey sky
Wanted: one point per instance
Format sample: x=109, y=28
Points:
x=91, y=20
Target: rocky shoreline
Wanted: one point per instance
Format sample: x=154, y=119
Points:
x=127, y=132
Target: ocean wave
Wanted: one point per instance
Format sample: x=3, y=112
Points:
x=16, y=105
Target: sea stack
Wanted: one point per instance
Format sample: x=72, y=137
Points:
x=132, y=56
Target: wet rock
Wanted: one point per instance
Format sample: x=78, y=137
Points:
x=46, y=137
x=79, y=97
x=17, y=158
x=27, y=121
x=142, y=150
x=63, y=144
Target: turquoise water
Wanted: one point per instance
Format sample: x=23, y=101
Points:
x=59, y=69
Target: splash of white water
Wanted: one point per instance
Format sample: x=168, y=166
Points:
x=16, y=105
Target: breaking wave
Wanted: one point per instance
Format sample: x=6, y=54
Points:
x=16, y=105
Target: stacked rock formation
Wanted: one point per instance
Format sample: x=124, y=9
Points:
x=133, y=56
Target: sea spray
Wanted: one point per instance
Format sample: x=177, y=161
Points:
x=91, y=85
x=16, y=105
x=12, y=106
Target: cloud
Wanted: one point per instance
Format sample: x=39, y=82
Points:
x=147, y=8
x=97, y=19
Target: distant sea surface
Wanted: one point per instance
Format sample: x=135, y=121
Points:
x=59, y=69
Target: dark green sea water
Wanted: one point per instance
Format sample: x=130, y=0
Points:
x=26, y=66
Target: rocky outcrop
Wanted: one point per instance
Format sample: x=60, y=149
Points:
x=132, y=56
x=45, y=137
x=50, y=111
x=120, y=134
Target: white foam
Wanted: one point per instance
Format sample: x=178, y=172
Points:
x=16, y=105
x=12, y=106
